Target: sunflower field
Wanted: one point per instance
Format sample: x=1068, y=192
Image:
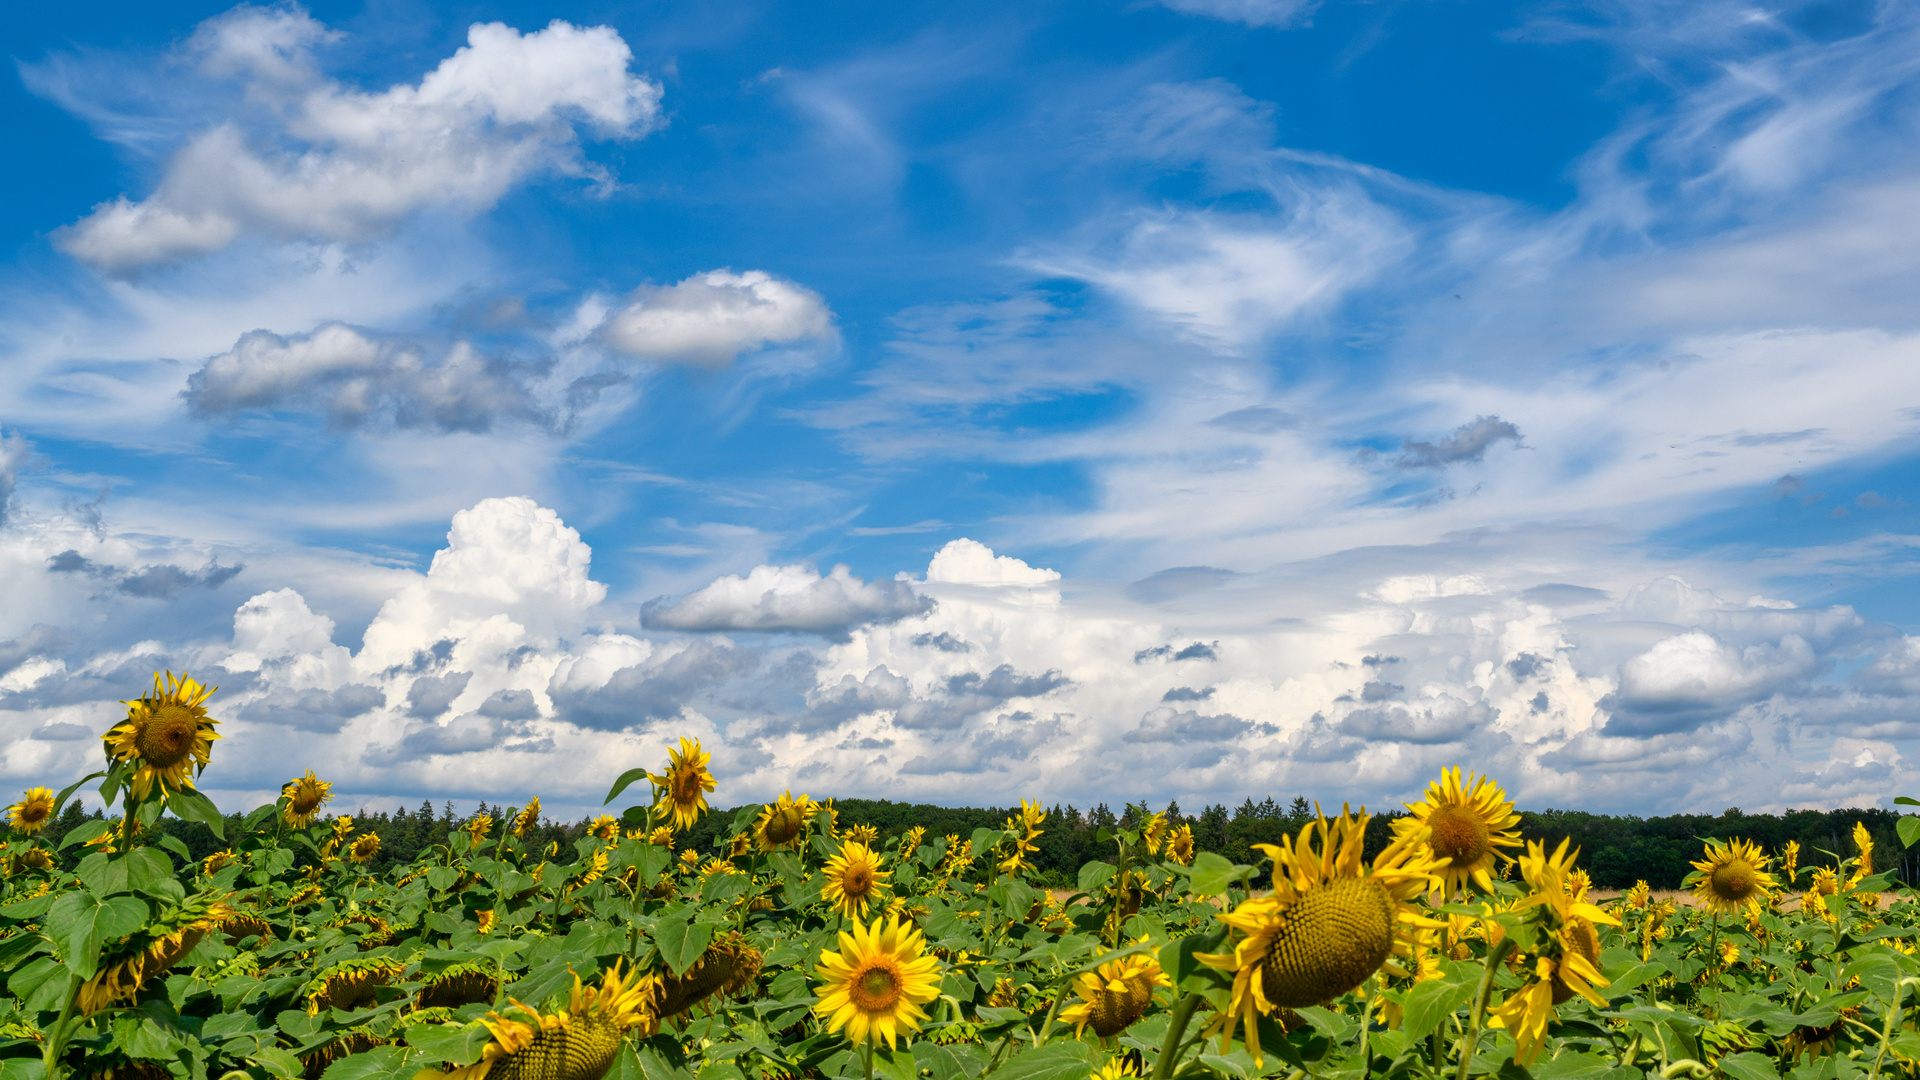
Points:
x=795, y=948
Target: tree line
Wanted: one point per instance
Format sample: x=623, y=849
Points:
x=1616, y=851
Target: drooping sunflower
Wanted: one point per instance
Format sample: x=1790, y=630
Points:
x=1568, y=963
x=484, y=920
x=1154, y=833
x=1180, y=845
x=479, y=827
x=578, y=1044
x=874, y=986
x=32, y=859
x=1790, y=861
x=728, y=966
x=525, y=821
x=151, y=950
x=1470, y=821
x=217, y=862
x=1330, y=922
x=1115, y=995
x=910, y=840
x=854, y=878
x=783, y=824
x=350, y=984
x=864, y=834
x=363, y=849
x=467, y=983
x=1863, y=866
x=1733, y=875
x=167, y=735
x=33, y=811
x=305, y=796
x=683, y=790
x=1025, y=827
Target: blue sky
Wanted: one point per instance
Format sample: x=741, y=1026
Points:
x=894, y=396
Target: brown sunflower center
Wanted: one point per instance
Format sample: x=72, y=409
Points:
x=35, y=811
x=876, y=988
x=1459, y=835
x=858, y=881
x=1734, y=880
x=784, y=824
x=686, y=786
x=167, y=737
x=306, y=799
x=1330, y=941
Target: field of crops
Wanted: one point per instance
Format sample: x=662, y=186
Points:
x=794, y=947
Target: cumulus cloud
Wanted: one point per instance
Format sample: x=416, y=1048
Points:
x=344, y=164
x=788, y=598
x=14, y=452
x=1166, y=725
x=713, y=317
x=1445, y=719
x=316, y=710
x=354, y=380
x=969, y=562
x=1693, y=676
x=656, y=686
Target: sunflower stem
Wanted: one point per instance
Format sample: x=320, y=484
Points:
x=1176, y=1027
x=867, y=1060
x=1366, y=1025
x=1893, y=1021
x=1046, y=1026
x=1471, y=1045
x=57, y=1038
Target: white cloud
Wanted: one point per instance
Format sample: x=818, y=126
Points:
x=711, y=318
x=970, y=562
x=1276, y=13
x=502, y=109
x=788, y=598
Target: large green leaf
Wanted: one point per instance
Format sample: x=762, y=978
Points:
x=1431, y=1002
x=456, y=1044
x=1212, y=874
x=188, y=804
x=1095, y=874
x=627, y=779
x=681, y=941
x=957, y=1062
x=379, y=1063
x=80, y=923
x=1749, y=1066
x=1066, y=1059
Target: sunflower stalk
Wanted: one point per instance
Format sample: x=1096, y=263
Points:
x=62, y=1030
x=1892, y=1022
x=1471, y=1044
x=1172, y=1049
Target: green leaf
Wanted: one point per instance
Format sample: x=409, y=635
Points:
x=724, y=887
x=22, y=1069
x=1177, y=959
x=442, y=877
x=1429, y=1003
x=681, y=942
x=28, y=983
x=172, y=843
x=60, y=800
x=1212, y=873
x=277, y=1061
x=1749, y=1066
x=957, y=1062
x=379, y=1063
x=1909, y=829
x=457, y=1044
x=84, y=832
x=31, y=908
x=1067, y=1059
x=895, y=1064
x=1095, y=874
x=1904, y=801
x=626, y=780
x=188, y=804
x=81, y=923
x=258, y=815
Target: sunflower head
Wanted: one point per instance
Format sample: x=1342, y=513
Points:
x=153, y=949
x=910, y=840
x=33, y=811
x=350, y=984
x=782, y=823
x=217, y=862
x=1114, y=995
x=577, y=1044
x=525, y=820
x=363, y=849
x=1733, y=875
x=661, y=837
x=728, y=967
x=166, y=736
x=1638, y=896
x=1331, y=921
x=1863, y=843
x=1790, y=861
x=304, y=797
x=1154, y=833
x=864, y=834
x=605, y=827
x=684, y=787
x=854, y=879
x=479, y=827
x=1469, y=820
x=1180, y=845
x=874, y=986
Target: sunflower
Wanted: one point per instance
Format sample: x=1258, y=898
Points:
x=910, y=840
x=874, y=986
x=1113, y=996
x=34, y=858
x=864, y=834
x=1638, y=896
x=593, y=869
x=485, y=920
x=739, y=845
x=1154, y=833
x=853, y=878
x=1330, y=922
x=1790, y=861
x=239, y=927
x=479, y=827
x=1025, y=827
x=605, y=827
x=150, y=951
x=783, y=824
x=363, y=849
x=686, y=783
x=1569, y=963
x=166, y=734
x=466, y=983
x=525, y=820
x=1863, y=867
x=728, y=966
x=217, y=862
x=33, y=811
x=350, y=984
x=1118, y=1068
x=1180, y=845
x=578, y=1044
x=1470, y=820
x=305, y=796
x=1733, y=875
x=661, y=837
